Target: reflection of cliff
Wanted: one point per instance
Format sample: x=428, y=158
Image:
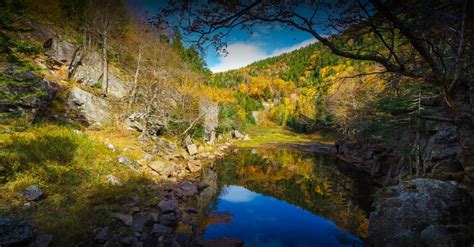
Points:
x=302, y=180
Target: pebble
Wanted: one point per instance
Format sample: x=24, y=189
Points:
x=32, y=193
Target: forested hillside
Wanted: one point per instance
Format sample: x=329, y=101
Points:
x=311, y=88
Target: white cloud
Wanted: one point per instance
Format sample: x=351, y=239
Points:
x=280, y=51
x=239, y=55
x=242, y=54
x=237, y=194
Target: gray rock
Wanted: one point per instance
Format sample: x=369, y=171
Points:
x=221, y=242
x=37, y=32
x=113, y=180
x=140, y=220
x=169, y=220
x=90, y=70
x=111, y=147
x=403, y=211
x=88, y=108
x=32, y=193
x=118, y=88
x=15, y=233
x=154, y=124
x=125, y=218
x=124, y=160
x=160, y=230
x=162, y=168
x=192, y=149
x=60, y=51
x=188, y=189
x=210, y=112
x=147, y=158
x=168, y=206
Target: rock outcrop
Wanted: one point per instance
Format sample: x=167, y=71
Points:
x=407, y=213
x=138, y=121
x=88, y=108
x=439, y=148
x=24, y=92
x=210, y=111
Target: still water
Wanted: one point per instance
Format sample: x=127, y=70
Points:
x=280, y=197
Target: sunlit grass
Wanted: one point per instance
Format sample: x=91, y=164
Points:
x=71, y=168
x=278, y=135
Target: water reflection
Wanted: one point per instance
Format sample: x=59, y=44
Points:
x=264, y=221
x=274, y=197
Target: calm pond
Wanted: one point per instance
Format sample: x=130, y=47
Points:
x=280, y=197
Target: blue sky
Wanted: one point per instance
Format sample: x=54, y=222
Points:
x=244, y=48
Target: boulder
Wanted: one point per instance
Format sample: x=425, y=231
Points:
x=162, y=168
x=192, y=149
x=32, y=193
x=168, y=206
x=37, y=31
x=89, y=71
x=88, y=108
x=15, y=233
x=154, y=124
x=118, y=88
x=210, y=112
x=188, y=189
x=221, y=242
x=60, y=51
x=405, y=210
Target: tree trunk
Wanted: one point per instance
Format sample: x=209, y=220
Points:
x=105, y=77
x=135, y=81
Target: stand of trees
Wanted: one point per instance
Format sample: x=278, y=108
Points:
x=427, y=41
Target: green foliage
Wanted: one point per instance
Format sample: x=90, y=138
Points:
x=189, y=55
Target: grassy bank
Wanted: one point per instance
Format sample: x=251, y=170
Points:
x=261, y=136
x=71, y=168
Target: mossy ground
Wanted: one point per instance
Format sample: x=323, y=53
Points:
x=71, y=169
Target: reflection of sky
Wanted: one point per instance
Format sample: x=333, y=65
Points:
x=265, y=221
x=237, y=194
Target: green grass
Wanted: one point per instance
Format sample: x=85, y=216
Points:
x=71, y=169
x=261, y=136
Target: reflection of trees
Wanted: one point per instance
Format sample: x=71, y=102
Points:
x=312, y=183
